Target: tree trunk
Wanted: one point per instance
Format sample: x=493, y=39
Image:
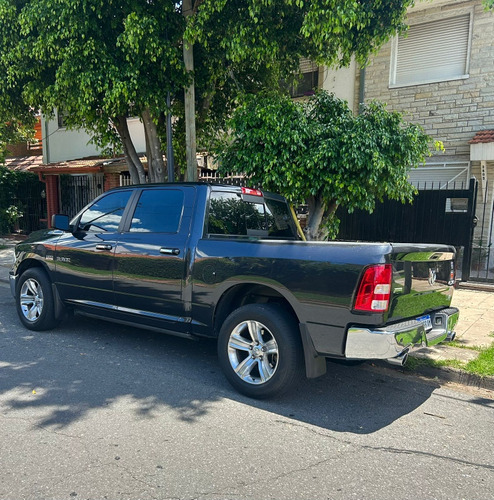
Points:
x=156, y=166
x=136, y=169
x=317, y=213
x=189, y=101
x=148, y=156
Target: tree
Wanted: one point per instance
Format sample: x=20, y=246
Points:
x=17, y=119
x=246, y=46
x=317, y=151
x=102, y=61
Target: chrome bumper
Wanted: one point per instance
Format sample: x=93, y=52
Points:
x=391, y=341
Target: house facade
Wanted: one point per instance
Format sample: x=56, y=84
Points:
x=62, y=144
x=440, y=75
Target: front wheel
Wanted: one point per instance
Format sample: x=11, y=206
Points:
x=34, y=300
x=260, y=351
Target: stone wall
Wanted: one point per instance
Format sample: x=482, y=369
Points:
x=450, y=111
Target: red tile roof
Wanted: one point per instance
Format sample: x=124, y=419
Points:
x=483, y=136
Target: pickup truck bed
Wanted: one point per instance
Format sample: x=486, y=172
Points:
x=226, y=262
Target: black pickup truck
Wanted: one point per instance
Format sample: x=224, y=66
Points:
x=201, y=260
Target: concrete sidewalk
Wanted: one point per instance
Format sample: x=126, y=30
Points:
x=475, y=326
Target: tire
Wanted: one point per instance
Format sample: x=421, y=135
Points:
x=260, y=351
x=34, y=300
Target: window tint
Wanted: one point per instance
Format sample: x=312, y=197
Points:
x=230, y=215
x=158, y=211
x=106, y=213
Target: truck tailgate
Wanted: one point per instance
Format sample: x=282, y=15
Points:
x=423, y=279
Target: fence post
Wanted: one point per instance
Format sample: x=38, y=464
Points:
x=467, y=253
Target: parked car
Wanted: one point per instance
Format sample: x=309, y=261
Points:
x=201, y=260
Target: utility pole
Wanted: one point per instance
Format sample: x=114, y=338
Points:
x=170, y=162
x=190, y=109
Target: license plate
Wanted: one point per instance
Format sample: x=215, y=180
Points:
x=426, y=321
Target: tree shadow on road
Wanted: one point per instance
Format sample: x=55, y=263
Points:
x=87, y=365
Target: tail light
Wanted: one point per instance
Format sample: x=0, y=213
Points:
x=251, y=192
x=374, y=291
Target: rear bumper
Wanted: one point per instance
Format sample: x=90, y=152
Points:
x=391, y=341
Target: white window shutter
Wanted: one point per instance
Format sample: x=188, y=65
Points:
x=307, y=66
x=433, y=51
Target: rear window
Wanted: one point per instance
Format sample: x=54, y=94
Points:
x=231, y=215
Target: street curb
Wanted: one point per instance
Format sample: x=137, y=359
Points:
x=479, y=287
x=444, y=374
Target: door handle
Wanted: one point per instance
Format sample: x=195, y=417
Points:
x=103, y=247
x=170, y=251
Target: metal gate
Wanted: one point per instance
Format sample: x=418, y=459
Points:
x=76, y=191
x=435, y=216
x=482, y=268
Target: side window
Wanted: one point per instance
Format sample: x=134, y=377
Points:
x=230, y=215
x=106, y=213
x=226, y=214
x=279, y=220
x=158, y=211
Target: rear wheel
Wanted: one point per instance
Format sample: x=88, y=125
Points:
x=34, y=300
x=260, y=350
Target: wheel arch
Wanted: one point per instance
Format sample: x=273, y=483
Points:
x=30, y=264
x=249, y=293
x=255, y=293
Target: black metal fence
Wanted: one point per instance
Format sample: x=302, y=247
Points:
x=435, y=216
x=76, y=191
x=32, y=200
x=482, y=267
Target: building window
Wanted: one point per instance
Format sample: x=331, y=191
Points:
x=309, y=80
x=62, y=118
x=432, y=52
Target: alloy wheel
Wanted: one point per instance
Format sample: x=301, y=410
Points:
x=31, y=299
x=253, y=352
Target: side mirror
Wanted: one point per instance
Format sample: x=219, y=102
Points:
x=61, y=222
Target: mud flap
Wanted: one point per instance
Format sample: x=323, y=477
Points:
x=315, y=365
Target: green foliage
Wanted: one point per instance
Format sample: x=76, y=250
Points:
x=96, y=60
x=482, y=366
x=270, y=31
x=12, y=184
x=102, y=59
x=13, y=132
x=488, y=4
x=8, y=217
x=317, y=149
x=17, y=118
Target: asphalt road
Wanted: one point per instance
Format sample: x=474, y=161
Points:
x=96, y=410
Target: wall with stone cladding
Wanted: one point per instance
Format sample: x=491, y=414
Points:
x=450, y=111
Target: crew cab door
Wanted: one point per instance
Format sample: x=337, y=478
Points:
x=151, y=258
x=84, y=257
